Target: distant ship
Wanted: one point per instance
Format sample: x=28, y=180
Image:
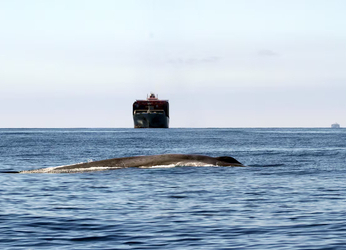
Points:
x=335, y=125
x=151, y=113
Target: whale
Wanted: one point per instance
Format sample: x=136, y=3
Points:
x=147, y=161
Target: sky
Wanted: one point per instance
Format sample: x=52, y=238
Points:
x=220, y=63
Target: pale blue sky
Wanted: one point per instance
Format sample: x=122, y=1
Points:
x=247, y=63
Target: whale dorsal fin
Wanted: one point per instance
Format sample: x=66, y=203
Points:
x=227, y=159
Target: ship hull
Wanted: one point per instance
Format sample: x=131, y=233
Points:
x=150, y=120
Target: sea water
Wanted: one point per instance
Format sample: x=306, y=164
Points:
x=292, y=195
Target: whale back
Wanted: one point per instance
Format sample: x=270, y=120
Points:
x=141, y=161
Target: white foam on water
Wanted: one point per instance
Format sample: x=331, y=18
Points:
x=61, y=169
x=181, y=164
x=160, y=166
x=40, y=170
x=54, y=170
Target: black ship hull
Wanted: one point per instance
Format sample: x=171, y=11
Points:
x=150, y=120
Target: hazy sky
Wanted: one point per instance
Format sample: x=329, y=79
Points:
x=230, y=63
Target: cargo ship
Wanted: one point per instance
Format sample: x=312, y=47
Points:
x=151, y=113
x=335, y=125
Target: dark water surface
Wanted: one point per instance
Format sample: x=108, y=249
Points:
x=293, y=195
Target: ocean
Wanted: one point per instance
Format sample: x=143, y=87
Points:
x=292, y=195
